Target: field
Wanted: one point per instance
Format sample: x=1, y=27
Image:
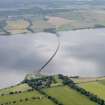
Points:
x=57, y=21
x=23, y=94
x=20, y=87
x=68, y=96
x=63, y=94
x=24, y=98
x=40, y=25
x=96, y=88
x=62, y=20
x=28, y=95
x=93, y=85
x=59, y=92
x=17, y=26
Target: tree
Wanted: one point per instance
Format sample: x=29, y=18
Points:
x=11, y=93
x=2, y=94
x=21, y=100
x=26, y=99
x=14, y=102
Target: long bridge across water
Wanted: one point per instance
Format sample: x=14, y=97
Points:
x=55, y=52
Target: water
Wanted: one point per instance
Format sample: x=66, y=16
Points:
x=81, y=53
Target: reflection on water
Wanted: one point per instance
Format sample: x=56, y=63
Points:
x=82, y=53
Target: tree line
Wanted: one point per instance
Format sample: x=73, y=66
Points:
x=91, y=96
x=39, y=84
x=22, y=100
x=53, y=99
x=17, y=92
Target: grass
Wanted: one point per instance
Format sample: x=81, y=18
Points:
x=96, y=88
x=56, y=81
x=63, y=94
x=29, y=95
x=68, y=96
x=37, y=102
x=20, y=87
x=102, y=81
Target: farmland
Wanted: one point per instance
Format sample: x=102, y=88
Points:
x=68, y=96
x=95, y=87
x=22, y=98
x=54, y=94
x=63, y=15
x=28, y=95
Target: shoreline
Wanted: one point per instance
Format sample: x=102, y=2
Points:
x=79, y=29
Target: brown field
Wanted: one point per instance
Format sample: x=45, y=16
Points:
x=17, y=26
x=58, y=21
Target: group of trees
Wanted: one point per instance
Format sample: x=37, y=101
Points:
x=91, y=96
x=53, y=99
x=12, y=93
x=51, y=30
x=39, y=83
x=17, y=92
x=21, y=100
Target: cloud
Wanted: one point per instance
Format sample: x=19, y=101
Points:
x=18, y=53
x=87, y=46
x=22, y=54
x=81, y=53
x=92, y=52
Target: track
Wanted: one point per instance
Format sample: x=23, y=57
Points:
x=54, y=54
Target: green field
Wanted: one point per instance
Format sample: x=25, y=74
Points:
x=102, y=81
x=21, y=96
x=96, y=88
x=68, y=96
x=93, y=85
x=20, y=87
